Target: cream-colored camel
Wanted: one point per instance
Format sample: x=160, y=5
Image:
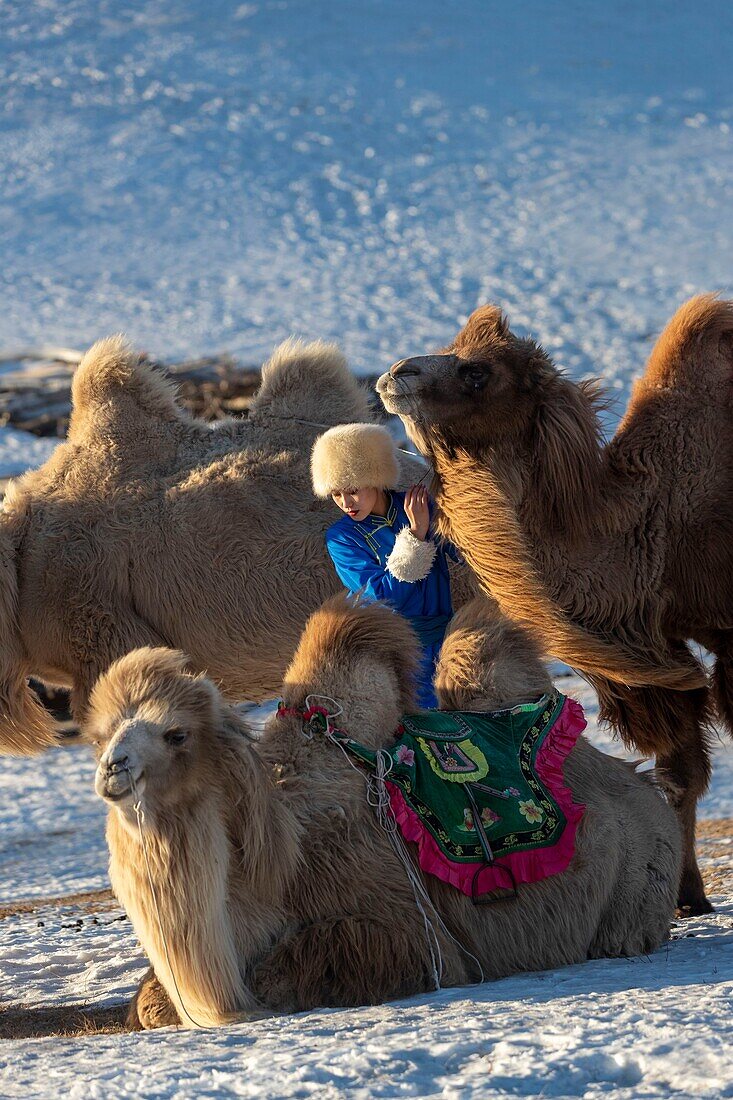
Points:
x=279, y=890
x=615, y=555
x=148, y=527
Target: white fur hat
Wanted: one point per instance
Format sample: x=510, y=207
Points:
x=354, y=456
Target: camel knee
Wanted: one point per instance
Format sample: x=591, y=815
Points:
x=687, y=772
x=637, y=918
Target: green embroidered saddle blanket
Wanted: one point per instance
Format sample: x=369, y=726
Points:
x=483, y=795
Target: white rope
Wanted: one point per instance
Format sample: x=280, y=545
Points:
x=398, y=843
x=380, y=801
x=140, y=815
x=331, y=713
x=315, y=424
x=378, y=798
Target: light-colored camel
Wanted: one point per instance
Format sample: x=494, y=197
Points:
x=615, y=554
x=148, y=527
x=279, y=890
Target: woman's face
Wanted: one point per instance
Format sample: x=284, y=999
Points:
x=357, y=503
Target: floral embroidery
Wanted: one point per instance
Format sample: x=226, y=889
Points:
x=488, y=817
x=468, y=820
x=405, y=756
x=531, y=811
x=512, y=791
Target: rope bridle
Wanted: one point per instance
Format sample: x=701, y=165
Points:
x=316, y=718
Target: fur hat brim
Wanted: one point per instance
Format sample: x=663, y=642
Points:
x=354, y=456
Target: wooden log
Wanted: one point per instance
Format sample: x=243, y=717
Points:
x=33, y=378
x=43, y=351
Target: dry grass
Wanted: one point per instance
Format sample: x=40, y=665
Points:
x=93, y=901
x=715, y=842
x=35, y=1022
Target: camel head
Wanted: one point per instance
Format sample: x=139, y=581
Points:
x=489, y=388
x=486, y=371
x=488, y=662
x=363, y=657
x=156, y=725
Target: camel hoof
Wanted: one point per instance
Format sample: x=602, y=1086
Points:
x=694, y=908
x=151, y=1007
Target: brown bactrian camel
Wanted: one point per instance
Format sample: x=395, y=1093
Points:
x=148, y=527
x=277, y=887
x=615, y=554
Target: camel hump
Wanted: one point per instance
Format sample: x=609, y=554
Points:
x=310, y=381
x=700, y=332
x=341, y=631
x=489, y=658
x=112, y=382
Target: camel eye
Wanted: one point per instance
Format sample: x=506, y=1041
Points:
x=475, y=374
x=175, y=736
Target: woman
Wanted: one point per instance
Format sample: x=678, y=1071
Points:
x=382, y=547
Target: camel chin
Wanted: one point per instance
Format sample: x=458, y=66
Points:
x=116, y=790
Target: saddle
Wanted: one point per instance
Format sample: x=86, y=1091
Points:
x=481, y=795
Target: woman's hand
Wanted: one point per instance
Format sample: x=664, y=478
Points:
x=418, y=512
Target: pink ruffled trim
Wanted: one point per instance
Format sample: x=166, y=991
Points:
x=528, y=866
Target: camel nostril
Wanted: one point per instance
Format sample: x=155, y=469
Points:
x=119, y=764
x=403, y=368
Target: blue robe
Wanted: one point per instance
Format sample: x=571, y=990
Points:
x=359, y=551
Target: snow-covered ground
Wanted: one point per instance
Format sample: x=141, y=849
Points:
x=214, y=176
x=210, y=176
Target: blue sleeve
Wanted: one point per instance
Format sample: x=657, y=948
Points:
x=452, y=552
x=358, y=571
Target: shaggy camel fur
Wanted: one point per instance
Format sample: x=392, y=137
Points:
x=279, y=890
x=614, y=554
x=148, y=527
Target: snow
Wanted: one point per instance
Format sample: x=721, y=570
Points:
x=214, y=177
x=604, y=1029
x=21, y=451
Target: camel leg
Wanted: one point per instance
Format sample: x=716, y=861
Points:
x=671, y=725
x=340, y=962
x=720, y=642
x=151, y=1006
x=689, y=771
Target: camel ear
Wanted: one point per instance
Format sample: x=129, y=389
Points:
x=486, y=326
x=236, y=726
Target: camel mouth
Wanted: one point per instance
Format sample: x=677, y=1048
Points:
x=116, y=796
x=396, y=396
x=118, y=786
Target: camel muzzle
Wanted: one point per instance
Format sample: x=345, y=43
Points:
x=114, y=779
x=409, y=379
